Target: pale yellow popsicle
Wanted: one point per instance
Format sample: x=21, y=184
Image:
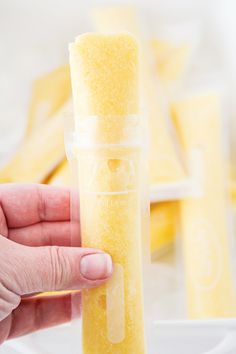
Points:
x=37, y=157
x=104, y=73
x=171, y=60
x=49, y=93
x=209, y=272
x=163, y=227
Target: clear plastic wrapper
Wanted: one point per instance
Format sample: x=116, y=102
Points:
x=206, y=218
x=106, y=150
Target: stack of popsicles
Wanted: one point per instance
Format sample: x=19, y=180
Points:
x=184, y=138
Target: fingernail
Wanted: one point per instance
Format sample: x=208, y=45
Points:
x=96, y=266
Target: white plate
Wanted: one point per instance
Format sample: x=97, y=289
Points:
x=168, y=337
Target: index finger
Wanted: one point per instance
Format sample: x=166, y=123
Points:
x=39, y=313
x=28, y=204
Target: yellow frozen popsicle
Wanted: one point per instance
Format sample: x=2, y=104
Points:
x=37, y=157
x=171, y=60
x=209, y=272
x=165, y=162
x=104, y=73
x=163, y=227
x=49, y=93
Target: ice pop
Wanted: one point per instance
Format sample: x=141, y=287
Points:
x=104, y=71
x=206, y=231
x=49, y=93
x=171, y=60
x=163, y=227
x=40, y=153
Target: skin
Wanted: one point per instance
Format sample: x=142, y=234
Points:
x=35, y=235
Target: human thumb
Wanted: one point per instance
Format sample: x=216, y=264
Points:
x=36, y=269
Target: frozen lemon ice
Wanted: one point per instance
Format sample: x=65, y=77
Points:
x=163, y=226
x=104, y=71
x=38, y=156
x=49, y=93
x=171, y=60
x=117, y=98
x=206, y=243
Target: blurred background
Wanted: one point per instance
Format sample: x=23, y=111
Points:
x=188, y=85
x=35, y=38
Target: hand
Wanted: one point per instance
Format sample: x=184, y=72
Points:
x=35, y=257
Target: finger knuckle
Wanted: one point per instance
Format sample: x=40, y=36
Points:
x=59, y=267
x=8, y=301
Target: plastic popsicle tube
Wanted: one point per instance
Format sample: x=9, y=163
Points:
x=206, y=230
x=163, y=227
x=104, y=71
x=49, y=93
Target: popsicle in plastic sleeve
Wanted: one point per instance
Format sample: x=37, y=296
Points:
x=104, y=72
x=38, y=156
x=163, y=227
x=171, y=60
x=49, y=93
x=205, y=219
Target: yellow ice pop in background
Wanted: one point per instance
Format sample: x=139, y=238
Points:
x=104, y=71
x=163, y=227
x=165, y=163
x=49, y=93
x=40, y=153
x=171, y=60
x=205, y=229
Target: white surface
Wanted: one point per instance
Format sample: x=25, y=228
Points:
x=168, y=338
